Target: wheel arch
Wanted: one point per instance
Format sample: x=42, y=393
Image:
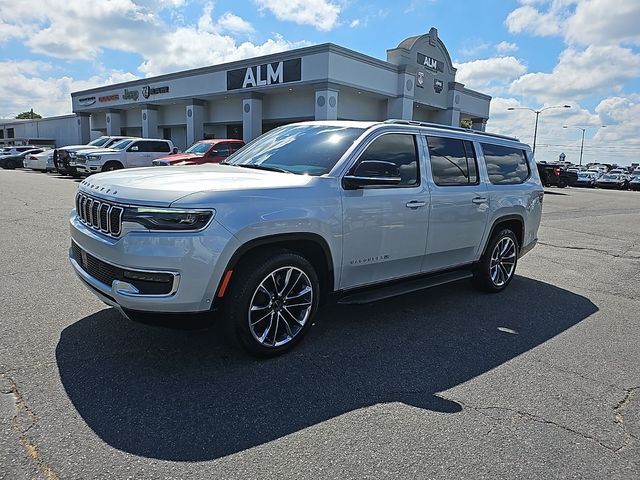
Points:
x=310, y=245
x=513, y=222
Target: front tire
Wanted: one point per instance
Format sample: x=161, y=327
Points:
x=271, y=302
x=498, y=264
x=111, y=166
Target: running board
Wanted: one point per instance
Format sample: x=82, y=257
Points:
x=381, y=293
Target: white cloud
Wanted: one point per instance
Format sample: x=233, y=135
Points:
x=506, y=47
x=27, y=84
x=581, y=22
x=581, y=73
x=79, y=30
x=480, y=74
x=601, y=21
x=321, y=14
x=532, y=20
x=229, y=22
x=354, y=23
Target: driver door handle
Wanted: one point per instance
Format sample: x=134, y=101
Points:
x=415, y=204
x=479, y=200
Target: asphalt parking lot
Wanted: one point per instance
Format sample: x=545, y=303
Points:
x=540, y=381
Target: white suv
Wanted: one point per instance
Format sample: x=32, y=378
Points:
x=356, y=211
x=127, y=153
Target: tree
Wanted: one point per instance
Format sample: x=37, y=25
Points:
x=28, y=115
x=466, y=123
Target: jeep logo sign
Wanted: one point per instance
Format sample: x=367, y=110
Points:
x=263, y=75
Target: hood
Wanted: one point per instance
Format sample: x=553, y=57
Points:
x=98, y=151
x=74, y=147
x=160, y=187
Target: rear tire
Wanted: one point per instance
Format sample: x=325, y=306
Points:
x=497, y=266
x=271, y=302
x=111, y=166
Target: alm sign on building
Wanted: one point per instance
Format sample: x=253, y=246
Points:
x=263, y=75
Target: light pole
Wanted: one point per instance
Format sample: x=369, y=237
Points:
x=537, y=112
x=582, y=142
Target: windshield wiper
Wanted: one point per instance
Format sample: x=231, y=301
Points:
x=257, y=167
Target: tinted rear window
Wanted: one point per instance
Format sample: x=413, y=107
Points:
x=453, y=161
x=505, y=165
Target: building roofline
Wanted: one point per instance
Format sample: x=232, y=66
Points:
x=313, y=49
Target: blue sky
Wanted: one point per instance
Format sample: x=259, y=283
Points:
x=525, y=53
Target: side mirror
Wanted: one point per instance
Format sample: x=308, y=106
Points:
x=372, y=173
x=213, y=153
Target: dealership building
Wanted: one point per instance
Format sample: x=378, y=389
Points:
x=246, y=98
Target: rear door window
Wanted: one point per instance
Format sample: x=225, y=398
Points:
x=505, y=165
x=453, y=161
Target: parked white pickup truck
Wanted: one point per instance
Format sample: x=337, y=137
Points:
x=128, y=153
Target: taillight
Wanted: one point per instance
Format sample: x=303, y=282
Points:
x=556, y=171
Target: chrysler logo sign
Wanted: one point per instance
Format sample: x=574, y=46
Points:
x=86, y=101
x=263, y=75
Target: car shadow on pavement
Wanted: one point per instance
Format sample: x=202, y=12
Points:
x=183, y=395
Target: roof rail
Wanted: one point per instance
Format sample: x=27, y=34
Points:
x=449, y=127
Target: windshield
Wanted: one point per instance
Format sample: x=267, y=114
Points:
x=302, y=149
x=199, y=148
x=611, y=177
x=121, y=145
x=98, y=142
x=585, y=175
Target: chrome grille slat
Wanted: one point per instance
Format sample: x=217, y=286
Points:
x=99, y=215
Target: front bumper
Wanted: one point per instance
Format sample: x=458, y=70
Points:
x=88, y=168
x=196, y=261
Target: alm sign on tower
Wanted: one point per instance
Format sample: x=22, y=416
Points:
x=262, y=75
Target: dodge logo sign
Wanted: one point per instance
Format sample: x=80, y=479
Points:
x=262, y=75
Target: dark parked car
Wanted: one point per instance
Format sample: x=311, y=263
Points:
x=635, y=183
x=587, y=179
x=15, y=161
x=613, y=180
x=555, y=175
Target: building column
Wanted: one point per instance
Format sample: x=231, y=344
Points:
x=251, y=117
x=326, y=104
x=150, y=121
x=401, y=107
x=113, y=123
x=479, y=124
x=195, y=121
x=83, y=128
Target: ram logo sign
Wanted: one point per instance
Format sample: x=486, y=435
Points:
x=262, y=75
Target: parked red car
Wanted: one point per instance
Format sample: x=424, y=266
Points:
x=203, y=151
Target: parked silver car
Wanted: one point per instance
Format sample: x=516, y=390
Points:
x=355, y=211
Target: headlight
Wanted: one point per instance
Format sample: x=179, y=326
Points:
x=94, y=158
x=168, y=218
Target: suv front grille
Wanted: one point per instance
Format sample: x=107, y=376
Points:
x=99, y=215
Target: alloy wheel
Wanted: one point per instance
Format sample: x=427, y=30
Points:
x=503, y=261
x=280, y=306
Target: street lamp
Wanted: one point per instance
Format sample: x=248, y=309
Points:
x=537, y=112
x=582, y=142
